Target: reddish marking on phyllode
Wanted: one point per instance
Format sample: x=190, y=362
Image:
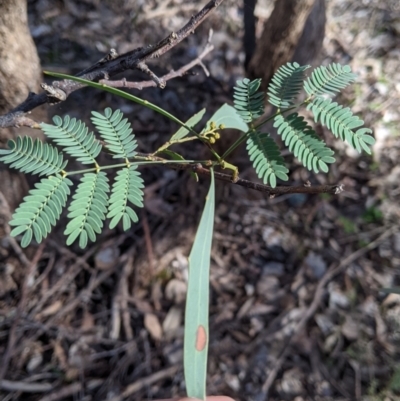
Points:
x=201, y=338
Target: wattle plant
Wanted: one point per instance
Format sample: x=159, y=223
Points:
x=95, y=200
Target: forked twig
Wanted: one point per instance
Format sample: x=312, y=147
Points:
x=123, y=83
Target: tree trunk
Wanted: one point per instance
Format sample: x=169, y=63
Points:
x=279, y=42
x=20, y=74
x=249, y=38
x=20, y=66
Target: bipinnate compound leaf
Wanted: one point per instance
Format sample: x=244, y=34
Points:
x=228, y=117
x=41, y=209
x=329, y=80
x=116, y=133
x=197, y=301
x=305, y=144
x=127, y=188
x=286, y=84
x=182, y=131
x=88, y=209
x=33, y=156
x=266, y=158
x=74, y=137
x=249, y=103
x=341, y=121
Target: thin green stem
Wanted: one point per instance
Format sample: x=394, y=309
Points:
x=173, y=142
x=141, y=163
x=124, y=95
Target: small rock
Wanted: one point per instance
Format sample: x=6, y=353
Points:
x=316, y=265
x=232, y=381
x=273, y=269
x=272, y=237
x=324, y=323
x=297, y=200
x=291, y=383
x=106, y=258
x=337, y=299
x=324, y=389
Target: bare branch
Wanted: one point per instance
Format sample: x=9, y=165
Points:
x=282, y=190
x=108, y=67
x=123, y=83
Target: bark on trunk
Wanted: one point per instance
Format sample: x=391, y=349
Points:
x=20, y=74
x=20, y=67
x=279, y=42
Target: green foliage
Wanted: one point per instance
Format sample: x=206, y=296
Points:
x=266, y=158
x=40, y=209
x=329, y=80
x=227, y=116
x=286, y=85
x=74, y=137
x=248, y=102
x=182, y=131
x=394, y=383
x=34, y=157
x=305, y=144
x=88, y=208
x=127, y=187
x=342, y=122
x=116, y=133
x=94, y=201
x=372, y=215
x=196, y=336
x=262, y=150
x=297, y=135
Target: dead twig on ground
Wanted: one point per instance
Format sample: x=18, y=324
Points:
x=124, y=295
x=25, y=387
x=64, y=392
x=145, y=382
